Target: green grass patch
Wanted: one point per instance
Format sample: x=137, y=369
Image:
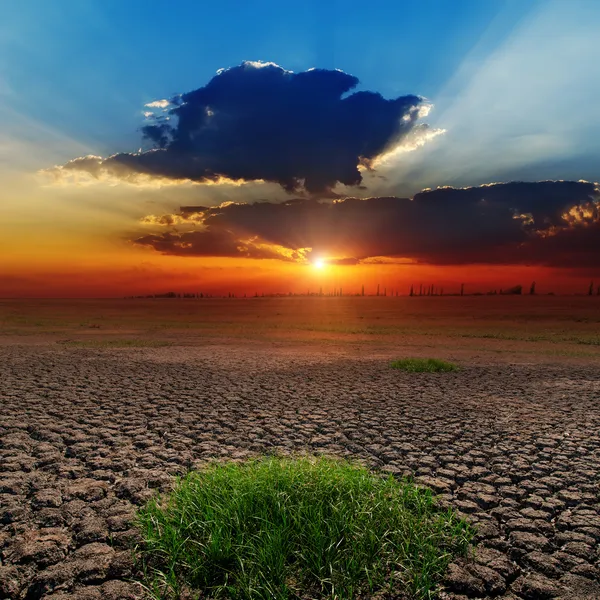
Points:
x=424, y=365
x=116, y=343
x=282, y=528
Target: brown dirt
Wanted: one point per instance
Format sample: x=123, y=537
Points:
x=88, y=434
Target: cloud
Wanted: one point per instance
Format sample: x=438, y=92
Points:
x=214, y=242
x=158, y=104
x=552, y=223
x=257, y=121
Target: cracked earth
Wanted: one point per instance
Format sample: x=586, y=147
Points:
x=87, y=435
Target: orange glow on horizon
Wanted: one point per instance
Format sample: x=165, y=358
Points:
x=116, y=271
x=86, y=252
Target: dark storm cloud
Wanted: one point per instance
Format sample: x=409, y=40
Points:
x=553, y=223
x=258, y=121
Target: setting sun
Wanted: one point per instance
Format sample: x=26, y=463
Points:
x=319, y=263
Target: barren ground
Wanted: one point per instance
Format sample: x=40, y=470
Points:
x=89, y=429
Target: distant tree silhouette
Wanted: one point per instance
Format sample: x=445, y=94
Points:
x=532, y=289
x=516, y=290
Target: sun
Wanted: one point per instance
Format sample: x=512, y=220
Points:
x=319, y=263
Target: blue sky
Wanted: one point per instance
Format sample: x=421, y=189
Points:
x=514, y=83
x=84, y=69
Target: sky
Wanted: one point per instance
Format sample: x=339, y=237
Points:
x=290, y=146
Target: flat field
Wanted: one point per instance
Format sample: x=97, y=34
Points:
x=535, y=325
x=102, y=402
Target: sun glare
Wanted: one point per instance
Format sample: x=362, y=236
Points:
x=319, y=263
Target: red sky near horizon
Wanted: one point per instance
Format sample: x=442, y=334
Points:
x=134, y=273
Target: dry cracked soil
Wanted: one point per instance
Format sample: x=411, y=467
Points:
x=87, y=435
